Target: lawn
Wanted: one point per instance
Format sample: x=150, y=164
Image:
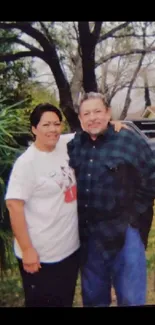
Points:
x=11, y=293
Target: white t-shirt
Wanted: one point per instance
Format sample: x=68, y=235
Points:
x=47, y=185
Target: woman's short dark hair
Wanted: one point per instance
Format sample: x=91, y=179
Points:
x=40, y=109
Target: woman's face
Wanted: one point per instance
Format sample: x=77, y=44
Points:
x=47, y=131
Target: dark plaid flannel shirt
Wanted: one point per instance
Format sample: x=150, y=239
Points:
x=115, y=184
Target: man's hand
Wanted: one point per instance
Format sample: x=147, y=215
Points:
x=31, y=261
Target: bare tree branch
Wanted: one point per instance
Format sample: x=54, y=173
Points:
x=128, y=99
x=117, y=89
x=124, y=53
x=25, y=27
x=130, y=35
x=140, y=87
x=104, y=86
x=42, y=75
x=112, y=31
x=146, y=84
x=76, y=31
x=117, y=78
x=16, y=56
x=97, y=29
x=50, y=56
x=18, y=41
x=47, y=34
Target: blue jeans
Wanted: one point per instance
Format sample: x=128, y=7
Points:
x=126, y=272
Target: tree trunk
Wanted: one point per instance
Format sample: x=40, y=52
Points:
x=66, y=102
x=88, y=66
x=147, y=97
x=88, y=41
x=76, y=83
x=146, y=91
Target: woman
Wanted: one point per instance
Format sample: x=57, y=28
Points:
x=41, y=199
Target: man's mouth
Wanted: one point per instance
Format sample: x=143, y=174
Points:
x=94, y=125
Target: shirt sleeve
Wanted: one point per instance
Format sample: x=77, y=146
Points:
x=144, y=161
x=21, y=181
x=67, y=137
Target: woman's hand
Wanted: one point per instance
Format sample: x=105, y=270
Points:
x=118, y=125
x=30, y=259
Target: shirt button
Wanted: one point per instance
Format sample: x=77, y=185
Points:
x=89, y=175
x=91, y=160
x=94, y=147
x=87, y=190
x=86, y=205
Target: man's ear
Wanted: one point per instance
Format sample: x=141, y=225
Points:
x=109, y=111
x=81, y=122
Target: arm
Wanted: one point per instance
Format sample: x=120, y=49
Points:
x=19, y=227
x=118, y=125
x=143, y=160
x=145, y=192
x=20, y=188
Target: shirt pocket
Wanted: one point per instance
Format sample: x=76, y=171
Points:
x=113, y=183
x=112, y=170
x=117, y=171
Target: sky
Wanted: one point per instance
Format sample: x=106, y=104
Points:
x=44, y=75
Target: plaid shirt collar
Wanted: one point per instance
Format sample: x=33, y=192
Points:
x=84, y=136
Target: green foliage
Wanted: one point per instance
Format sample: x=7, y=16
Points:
x=13, y=125
x=7, y=259
x=40, y=94
x=14, y=76
x=11, y=293
x=151, y=249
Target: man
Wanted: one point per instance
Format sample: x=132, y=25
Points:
x=115, y=185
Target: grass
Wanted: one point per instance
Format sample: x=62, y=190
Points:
x=11, y=292
x=150, y=254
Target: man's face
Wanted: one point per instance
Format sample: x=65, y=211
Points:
x=94, y=116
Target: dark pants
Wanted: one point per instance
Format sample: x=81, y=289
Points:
x=54, y=284
x=126, y=272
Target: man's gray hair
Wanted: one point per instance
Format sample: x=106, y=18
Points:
x=92, y=95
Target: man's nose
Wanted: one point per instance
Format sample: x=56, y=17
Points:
x=92, y=116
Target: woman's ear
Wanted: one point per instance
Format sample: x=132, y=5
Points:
x=33, y=130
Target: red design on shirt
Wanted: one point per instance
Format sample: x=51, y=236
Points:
x=70, y=194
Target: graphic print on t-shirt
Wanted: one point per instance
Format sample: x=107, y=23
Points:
x=65, y=179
